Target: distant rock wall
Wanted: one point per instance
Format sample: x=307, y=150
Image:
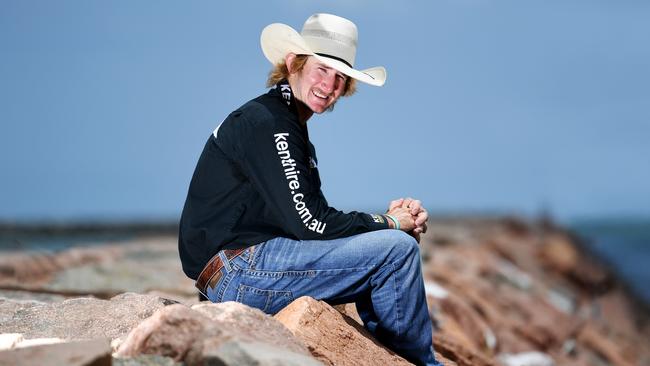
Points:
x=500, y=292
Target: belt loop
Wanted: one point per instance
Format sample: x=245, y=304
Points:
x=224, y=260
x=251, y=257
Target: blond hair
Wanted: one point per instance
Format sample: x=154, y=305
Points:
x=280, y=72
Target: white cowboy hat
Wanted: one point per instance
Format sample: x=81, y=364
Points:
x=329, y=38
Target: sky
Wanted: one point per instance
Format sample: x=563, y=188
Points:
x=517, y=107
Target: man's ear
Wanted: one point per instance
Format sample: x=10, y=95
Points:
x=288, y=60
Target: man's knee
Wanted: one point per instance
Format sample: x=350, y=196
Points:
x=402, y=244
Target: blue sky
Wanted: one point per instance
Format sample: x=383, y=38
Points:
x=506, y=106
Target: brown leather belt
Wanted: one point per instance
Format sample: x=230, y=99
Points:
x=211, y=273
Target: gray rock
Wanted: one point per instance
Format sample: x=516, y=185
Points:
x=239, y=353
x=526, y=359
x=140, y=268
x=145, y=360
x=140, y=265
x=79, y=318
x=95, y=352
x=173, y=331
x=196, y=337
x=240, y=321
x=27, y=296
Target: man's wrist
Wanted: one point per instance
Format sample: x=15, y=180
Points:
x=388, y=221
x=394, y=220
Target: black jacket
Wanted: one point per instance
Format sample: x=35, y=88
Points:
x=257, y=179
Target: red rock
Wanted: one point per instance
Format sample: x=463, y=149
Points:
x=443, y=360
x=459, y=354
x=468, y=319
x=332, y=339
x=349, y=310
x=598, y=342
x=559, y=254
x=450, y=329
x=616, y=305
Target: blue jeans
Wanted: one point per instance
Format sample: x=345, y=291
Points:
x=379, y=271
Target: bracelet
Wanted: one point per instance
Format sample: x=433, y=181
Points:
x=395, y=221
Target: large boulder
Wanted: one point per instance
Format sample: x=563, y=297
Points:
x=198, y=336
x=332, y=337
x=237, y=320
x=79, y=318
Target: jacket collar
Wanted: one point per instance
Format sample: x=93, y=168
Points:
x=283, y=91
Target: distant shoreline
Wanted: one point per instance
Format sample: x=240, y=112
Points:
x=88, y=228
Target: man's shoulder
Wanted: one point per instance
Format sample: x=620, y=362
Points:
x=264, y=109
x=256, y=110
x=261, y=111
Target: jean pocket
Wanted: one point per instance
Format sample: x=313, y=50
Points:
x=269, y=301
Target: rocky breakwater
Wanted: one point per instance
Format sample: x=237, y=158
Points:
x=500, y=292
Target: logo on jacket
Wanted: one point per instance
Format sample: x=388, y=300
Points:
x=377, y=218
x=285, y=90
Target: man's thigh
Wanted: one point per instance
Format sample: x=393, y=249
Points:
x=337, y=271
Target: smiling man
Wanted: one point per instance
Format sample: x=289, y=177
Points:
x=256, y=227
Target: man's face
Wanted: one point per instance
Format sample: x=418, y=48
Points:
x=317, y=85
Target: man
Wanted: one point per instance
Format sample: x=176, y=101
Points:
x=256, y=227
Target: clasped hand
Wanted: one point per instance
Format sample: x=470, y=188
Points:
x=411, y=215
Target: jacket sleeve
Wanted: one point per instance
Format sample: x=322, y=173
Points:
x=276, y=160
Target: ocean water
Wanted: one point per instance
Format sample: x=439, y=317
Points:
x=624, y=244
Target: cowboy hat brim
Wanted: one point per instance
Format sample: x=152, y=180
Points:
x=279, y=39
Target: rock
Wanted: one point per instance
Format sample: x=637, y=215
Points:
x=239, y=321
x=10, y=340
x=240, y=353
x=80, y=318
x=444, y=361
x=139, y=269
x=561, y=300
x=470, y=321
x=526, y=359
x=509, y=273
x=494, y=289
x=29, y=296
x=459, y=354
x=101, y=271
x=349, y=310
x=616, y=305
x=181, y=298
x=562, y=255
x=22, y=343
x=333, y=339
x=435, y=290
x=170, y=332
x=24, y=268
x=145, y=360
x=599, y=343
x=196, y=336
x=559, y=253
x=77, y=353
